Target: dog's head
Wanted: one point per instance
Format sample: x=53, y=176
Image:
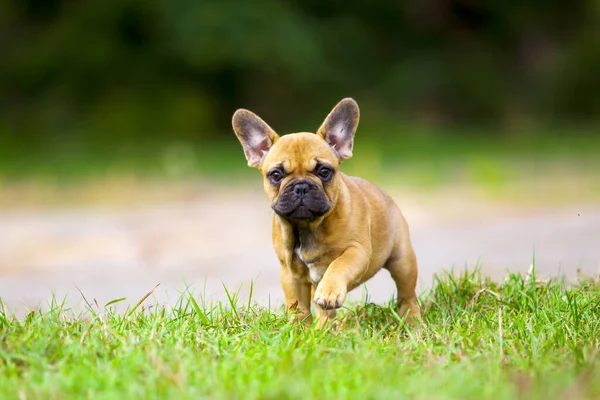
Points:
x=300, y=170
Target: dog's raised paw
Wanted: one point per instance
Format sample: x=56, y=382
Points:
x=329, y=298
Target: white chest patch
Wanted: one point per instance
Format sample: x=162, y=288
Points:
x=316, y=272
x=299, y=254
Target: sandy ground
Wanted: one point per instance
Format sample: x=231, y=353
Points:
x=221, y=239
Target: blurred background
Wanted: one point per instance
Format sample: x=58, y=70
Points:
x=119, y=169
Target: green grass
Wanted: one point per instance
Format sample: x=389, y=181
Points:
x=483, y=340
x=536, y=166
x=427, y=154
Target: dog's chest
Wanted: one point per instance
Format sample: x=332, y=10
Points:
x=308, y=250
x=316, y=270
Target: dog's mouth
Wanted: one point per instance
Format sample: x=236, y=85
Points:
x=302, y=201
x=301, y=213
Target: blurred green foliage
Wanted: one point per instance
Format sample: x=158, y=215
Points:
x=118, y=71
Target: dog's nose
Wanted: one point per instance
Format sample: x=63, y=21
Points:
x=301, y=189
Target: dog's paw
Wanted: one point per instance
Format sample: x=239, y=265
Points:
x=328, y=297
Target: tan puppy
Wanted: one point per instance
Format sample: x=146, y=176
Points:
x=331, y=232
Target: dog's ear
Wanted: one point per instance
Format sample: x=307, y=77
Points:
x=339, y=128
x=254, y=134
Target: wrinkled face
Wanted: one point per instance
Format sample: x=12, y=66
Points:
x=300, y=170
x=300, y=176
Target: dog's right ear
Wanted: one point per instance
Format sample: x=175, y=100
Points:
x=254, y=134
x=339, y=128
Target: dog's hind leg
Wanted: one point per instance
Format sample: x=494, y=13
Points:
x=403, y=269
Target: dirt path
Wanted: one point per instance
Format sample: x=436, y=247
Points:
x=224, y=239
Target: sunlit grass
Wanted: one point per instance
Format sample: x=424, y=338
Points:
x=483, y=340
x=554, y=167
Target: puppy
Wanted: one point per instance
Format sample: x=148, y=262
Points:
x=331, y=232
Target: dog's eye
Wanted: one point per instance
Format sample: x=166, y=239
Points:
x=325, y=173
x=275, y=176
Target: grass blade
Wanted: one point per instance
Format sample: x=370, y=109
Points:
x=142, y=300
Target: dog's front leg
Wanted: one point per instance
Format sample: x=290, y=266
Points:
x=323, y=316
x=296, y=289
x=343, y=273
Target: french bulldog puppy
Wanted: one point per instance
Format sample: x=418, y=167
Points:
x=331, y=232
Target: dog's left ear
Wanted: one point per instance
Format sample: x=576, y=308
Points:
x=254, y=134
x=339, y=128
